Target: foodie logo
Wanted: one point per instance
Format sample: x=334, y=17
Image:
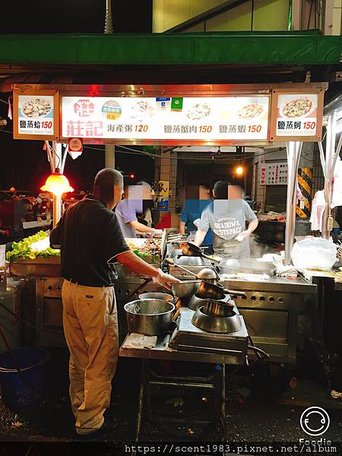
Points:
x=314, y=421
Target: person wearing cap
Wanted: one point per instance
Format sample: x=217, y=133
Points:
x=90, y=239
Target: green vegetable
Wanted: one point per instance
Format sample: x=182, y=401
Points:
x=22, y=249
x=148, y=257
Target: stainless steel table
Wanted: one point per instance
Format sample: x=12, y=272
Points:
x=271, y=309
x=162, y=352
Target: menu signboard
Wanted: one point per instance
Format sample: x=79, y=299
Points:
x=169, y=118
x=273, y=174
x=232, y=115
x=36, y=115
x=296, y=116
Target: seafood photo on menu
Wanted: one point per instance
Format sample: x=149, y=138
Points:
x=297, y=108
x=36, y=107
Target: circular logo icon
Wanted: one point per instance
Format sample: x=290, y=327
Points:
x=314, y=421
x=75, y=145
x=111, y=110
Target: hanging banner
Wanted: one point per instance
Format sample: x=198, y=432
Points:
x=175, y=118
x=36, y=115
x=297, y=116
x=162, y=192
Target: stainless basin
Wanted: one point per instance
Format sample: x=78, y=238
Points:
x=191, y=261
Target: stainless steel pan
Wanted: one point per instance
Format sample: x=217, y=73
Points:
x=219, y=309
x=210, y=290
x=185, y=288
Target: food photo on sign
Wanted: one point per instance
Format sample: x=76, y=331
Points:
x=297, y=114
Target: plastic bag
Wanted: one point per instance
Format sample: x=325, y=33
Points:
x=314, y=253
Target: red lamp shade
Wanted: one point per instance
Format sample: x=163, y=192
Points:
x=57, y=183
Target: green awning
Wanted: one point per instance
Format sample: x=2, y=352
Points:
x=235, y=48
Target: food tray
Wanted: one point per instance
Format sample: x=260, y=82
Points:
x=39, y=267
x=150, y=250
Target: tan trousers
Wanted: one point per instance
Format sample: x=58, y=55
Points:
x=91, y=331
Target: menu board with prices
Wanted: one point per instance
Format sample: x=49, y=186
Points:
x=297, y=116
x=273, y=174
x=168, y=118
x=36, y=115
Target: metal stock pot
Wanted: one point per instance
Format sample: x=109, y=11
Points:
x=149, y=316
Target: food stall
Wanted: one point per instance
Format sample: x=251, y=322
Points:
x=263, y=308
x=191, y=115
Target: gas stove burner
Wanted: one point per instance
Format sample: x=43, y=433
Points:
x=215, y=323
x=195, y=301
x=192, y=338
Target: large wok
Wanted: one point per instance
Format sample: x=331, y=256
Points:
x=203, y=290
x=213, y=291
x=185, y=288
x=190, y=249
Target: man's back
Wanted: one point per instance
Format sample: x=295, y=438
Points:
x=89, y=236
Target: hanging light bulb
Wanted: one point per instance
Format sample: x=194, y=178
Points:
x=57, y=184
x=239, y=170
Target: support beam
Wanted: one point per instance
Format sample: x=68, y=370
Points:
x=293, y=149
x=57, y=156
x=329, y=164
x=296, y=14
x=327, y=24
x=109, y=156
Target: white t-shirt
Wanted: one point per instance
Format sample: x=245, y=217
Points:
x=227, y=219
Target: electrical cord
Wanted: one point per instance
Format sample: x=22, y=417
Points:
x=51, y=331
x=17, y=367
x=260, y=351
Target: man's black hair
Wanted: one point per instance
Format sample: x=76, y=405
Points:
x=221, y=189
x=104, y=183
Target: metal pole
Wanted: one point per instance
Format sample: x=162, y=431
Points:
x=329, y=173
x=293, y=149
x=327, y=18
x=108, y=30
x=110, y=156
x=108, y=19
x=56, y=209
x=57, y=155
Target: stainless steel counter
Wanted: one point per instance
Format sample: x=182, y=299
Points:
x=271, y=309
x=274, y=284
x=312, y=275
x=161, y=351
x=338, y=286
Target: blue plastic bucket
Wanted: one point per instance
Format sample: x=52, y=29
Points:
x=23, y=388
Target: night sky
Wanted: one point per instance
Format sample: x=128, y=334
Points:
x=23, y=164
